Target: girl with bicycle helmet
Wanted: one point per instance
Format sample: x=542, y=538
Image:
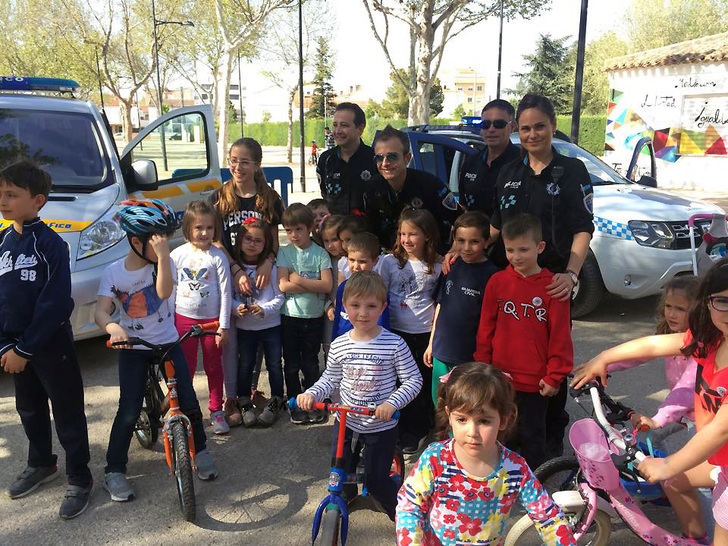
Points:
x=140, y=285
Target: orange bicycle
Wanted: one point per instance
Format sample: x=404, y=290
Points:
x=179, y=444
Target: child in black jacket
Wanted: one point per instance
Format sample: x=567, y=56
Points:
x=36, y=341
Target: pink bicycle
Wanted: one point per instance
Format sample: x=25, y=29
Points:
x=598, y=494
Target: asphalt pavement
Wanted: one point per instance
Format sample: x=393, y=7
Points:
x=271, y=480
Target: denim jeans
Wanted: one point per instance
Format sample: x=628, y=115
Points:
x=132, y=383
x=301, y=346
x=248, y=341
x=418, y=417
x=53, y=373
x=378, y=456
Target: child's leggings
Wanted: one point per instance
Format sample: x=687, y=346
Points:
x=211, y=357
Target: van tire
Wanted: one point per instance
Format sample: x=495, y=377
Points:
x=591, y=288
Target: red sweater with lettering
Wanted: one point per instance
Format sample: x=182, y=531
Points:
x=523, y=331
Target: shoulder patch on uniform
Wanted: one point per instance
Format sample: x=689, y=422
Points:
x=589, y=202
x=450, y=202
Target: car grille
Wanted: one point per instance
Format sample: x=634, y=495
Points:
x=682, y=233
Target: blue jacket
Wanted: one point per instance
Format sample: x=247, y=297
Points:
x=341, y=318
x=35, y=287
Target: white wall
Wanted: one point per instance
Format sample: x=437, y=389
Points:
x=690, y=102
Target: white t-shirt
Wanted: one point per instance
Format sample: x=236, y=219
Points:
x=202, y=284
x=270, y=299
x=143, y=313
x=411, y=302
x=344, y=271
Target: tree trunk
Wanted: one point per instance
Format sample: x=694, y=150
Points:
x=223, y=100
x=289, y=141
x=419, y=104
x=126, y=125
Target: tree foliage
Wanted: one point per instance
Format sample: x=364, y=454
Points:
x=322, y=104
x=656, y=23
x=431, y=25
x=550, y=73
x=396, y=99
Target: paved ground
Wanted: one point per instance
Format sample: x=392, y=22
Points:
x=271, y=479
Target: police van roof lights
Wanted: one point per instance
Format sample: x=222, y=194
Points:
x=471, y=120
x=59, y=85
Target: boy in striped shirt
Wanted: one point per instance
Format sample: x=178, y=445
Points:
x=365, y=363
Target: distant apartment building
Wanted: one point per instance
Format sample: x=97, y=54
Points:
x=463, y=87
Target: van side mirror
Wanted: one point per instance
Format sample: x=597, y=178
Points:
x=647, y=180
x=145, y=174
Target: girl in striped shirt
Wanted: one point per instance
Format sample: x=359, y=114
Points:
x=366, y=363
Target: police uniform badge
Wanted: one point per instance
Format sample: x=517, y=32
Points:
x=553, y=189
x=416, y=203
x=449, y=202
x=365, y=175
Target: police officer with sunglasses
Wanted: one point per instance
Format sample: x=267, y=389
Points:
x=479, y=173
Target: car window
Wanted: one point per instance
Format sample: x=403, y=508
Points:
x=600, y=173
x=178, y=148
x=66, y=144
x=431, y=153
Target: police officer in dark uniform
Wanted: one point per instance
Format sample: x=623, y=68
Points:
x=346, y=170
x=397, y=187
x=479, y=173
x=557, y=189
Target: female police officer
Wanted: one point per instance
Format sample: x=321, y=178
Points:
x=556, y=189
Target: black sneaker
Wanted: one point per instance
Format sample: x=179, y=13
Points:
x=319, y=416
x=76, y=501
x=299, y=417
x=30, y=479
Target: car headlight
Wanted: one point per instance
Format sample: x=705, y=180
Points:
x=654, y=234
x=102, y=234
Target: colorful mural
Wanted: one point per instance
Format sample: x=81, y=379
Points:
x=703, y=128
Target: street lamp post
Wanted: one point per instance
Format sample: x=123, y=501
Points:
x=300, y=97
x=579, y=79
x=500, y=51
x=156, y=23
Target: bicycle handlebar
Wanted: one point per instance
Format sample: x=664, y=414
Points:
x=342, y=408
x=195, y=331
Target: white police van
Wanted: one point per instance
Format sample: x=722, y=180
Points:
x=174, y=158
x=641, y=237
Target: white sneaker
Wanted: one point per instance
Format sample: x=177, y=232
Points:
x=219, y=425
x=206, y=469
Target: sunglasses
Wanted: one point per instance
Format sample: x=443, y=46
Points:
x=719, y=303
x=391, y=156
x=498, y=123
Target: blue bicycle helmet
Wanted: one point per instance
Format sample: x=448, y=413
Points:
x=145, y=217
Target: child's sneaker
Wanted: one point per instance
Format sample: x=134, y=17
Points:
x=270, y=413
x=206, y=469
x=118, y=487
x=298, y=416
x=75, y=501
x=232, y=412
x=319, y=416
x=30, y=479
x=249, y=417
x=219, y=425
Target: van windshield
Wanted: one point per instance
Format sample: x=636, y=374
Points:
x=66, y=144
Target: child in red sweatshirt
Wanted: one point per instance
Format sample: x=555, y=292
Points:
x=526, y=333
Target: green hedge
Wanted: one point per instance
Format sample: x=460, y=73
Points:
x=591, y=131
x=275, y=133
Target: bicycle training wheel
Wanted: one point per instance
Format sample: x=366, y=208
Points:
x=146, y=429
x=183, y=470
x=330, y=523
x=524, y=533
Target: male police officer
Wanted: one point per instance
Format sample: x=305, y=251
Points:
x=480, y=172
x=345, y=171
x=398, y=187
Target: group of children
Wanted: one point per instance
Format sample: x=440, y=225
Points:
x=398, y=333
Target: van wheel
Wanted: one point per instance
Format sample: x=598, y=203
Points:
x=590, y=290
